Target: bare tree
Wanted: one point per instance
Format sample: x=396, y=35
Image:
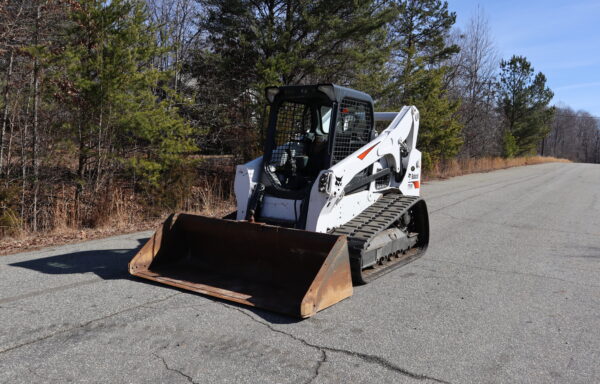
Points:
x=35, y=125
x=574, y=136
x=10, y=25
x=27, y=33
x=473, y=81
x=6, y=102
x=177, y=32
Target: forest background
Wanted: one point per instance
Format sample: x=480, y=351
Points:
x=113, y=113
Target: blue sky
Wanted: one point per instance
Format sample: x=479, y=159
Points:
x=560, y=38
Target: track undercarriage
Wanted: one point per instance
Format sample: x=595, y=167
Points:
x=392, y=232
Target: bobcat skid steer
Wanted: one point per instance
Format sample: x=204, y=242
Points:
x=330, y=203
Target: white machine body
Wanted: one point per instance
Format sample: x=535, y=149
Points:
x=329, y=206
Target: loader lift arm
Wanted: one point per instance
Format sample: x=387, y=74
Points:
x=394, y=150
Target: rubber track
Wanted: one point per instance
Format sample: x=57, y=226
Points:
x=387, y=210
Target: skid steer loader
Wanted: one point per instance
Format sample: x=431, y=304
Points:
x=330, y=203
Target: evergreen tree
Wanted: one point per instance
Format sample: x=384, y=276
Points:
x=419, y=40
x=254, y=44
x=296, y=41
x=420, y=34
x=120, y=109
x=523, y=99
x=439, y=128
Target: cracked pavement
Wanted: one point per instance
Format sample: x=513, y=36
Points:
x=507, y=292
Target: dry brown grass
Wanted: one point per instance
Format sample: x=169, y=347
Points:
x=120, y=211
x=210, y=198
x=458, y=167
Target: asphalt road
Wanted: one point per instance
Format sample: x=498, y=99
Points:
x=508, y=292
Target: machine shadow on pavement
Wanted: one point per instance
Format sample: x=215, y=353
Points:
x=107, y=264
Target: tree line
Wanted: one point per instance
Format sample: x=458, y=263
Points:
x=99, y=97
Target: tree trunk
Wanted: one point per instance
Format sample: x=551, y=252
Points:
x=99, y=149
x=80, y=171
x=5, y=110
x=34, y=133
x=11, y=136
x=24, y=159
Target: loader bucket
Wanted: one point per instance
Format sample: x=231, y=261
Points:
x=284, y=270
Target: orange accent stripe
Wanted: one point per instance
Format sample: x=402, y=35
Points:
x=365, y=153
x=416, y=183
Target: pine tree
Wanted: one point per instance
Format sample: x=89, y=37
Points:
x=295, y=41
x=523, y=99
x=254, y=44
x=419, y=40
x=121, y=111
x=439, y=129
x=419, y=36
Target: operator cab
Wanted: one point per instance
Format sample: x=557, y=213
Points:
x=311, y=128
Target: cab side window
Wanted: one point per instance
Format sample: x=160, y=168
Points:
x=353, y=128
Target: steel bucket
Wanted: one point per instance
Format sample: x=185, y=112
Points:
x=284, y=270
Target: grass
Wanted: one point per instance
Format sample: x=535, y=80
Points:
x=118, y=213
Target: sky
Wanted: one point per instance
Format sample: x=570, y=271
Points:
x=560, y=38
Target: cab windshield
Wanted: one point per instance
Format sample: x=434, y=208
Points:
x=300, y=143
